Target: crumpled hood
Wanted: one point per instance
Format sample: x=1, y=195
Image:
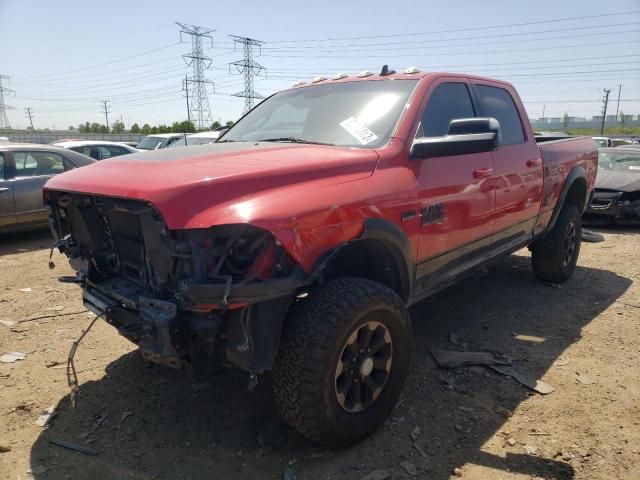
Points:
x=618, y=180
x=185, y=181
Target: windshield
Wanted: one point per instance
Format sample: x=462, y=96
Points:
x=150, y=143
x=352, y=114
x=627, y=161
x=193, y=141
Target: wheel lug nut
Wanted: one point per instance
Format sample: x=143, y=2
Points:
x=354, y=359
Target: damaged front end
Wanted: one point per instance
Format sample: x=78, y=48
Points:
x=611, y=206
x=187, y=298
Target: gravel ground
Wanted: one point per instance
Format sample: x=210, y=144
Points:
x=150, y=422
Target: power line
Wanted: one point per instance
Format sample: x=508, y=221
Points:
x=4, y=120
x=249, y=68
x=499, y=35
x=200, y=109
x=537, y=22
x=105, y=63
x=466, y=52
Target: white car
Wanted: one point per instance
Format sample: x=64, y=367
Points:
x=200, y=138
x=97, y=149
x=603, y=141
x=158, y=140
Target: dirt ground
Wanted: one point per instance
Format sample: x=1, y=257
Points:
x=150, y=422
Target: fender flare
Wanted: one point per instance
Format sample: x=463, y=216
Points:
x=392, y=237
x=575, y=175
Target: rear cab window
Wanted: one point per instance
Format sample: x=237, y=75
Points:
x=449, y=101
x=498, y=103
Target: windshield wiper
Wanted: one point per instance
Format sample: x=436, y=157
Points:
x=294, y=140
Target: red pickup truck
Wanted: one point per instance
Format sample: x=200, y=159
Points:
x=296, y=243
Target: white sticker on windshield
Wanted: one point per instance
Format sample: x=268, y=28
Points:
x=359, y=130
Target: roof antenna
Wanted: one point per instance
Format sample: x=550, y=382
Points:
x=385, y=71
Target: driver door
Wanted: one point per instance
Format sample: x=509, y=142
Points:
x=456, y=193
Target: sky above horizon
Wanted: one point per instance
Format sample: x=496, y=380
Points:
x=65, y=57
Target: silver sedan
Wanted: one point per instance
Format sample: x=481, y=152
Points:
x=24, y=169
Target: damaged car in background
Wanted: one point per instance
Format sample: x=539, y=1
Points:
x=616, y=198
x=296, y=243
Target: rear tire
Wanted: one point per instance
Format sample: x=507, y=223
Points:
x=554, y=257
x=342, y=361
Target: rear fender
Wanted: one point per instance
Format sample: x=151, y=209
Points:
x=578, y=174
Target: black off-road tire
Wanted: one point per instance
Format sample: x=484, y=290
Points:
x=312, y=344
x=549, y=255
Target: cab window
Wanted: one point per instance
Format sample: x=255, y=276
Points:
x=497, y=103
x=449, y=101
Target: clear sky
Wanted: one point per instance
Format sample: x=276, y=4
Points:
x=66, y=56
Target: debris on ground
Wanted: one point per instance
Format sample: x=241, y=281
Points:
x=511, y=441
x=126, y=414
x=52, y=363
x=53, y=315
x=4, y=448
x=45, y=417
x=377, y=475
x=73, y=446
x=97, y=421
x=420, y=450
x=530, y=450
x=536, y=385
x=410, y=468
x=12, y=357
x=452, y=359
x=415, y=433
x=25, y=290
x=7, y=323
x=453, y=339
x=583, y=379
x=590, y=236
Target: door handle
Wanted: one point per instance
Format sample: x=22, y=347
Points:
x=534, y=162
x=3, y=189
x=482, y=173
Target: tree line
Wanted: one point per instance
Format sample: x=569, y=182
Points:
x=146, y=129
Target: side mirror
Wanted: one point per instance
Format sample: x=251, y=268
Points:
x=466, y=135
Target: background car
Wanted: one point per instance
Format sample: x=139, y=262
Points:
x=616, y=197
x=158, y=140
x=199, y=138
x=24, y=169
x=603, y=141
x=97, y=149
